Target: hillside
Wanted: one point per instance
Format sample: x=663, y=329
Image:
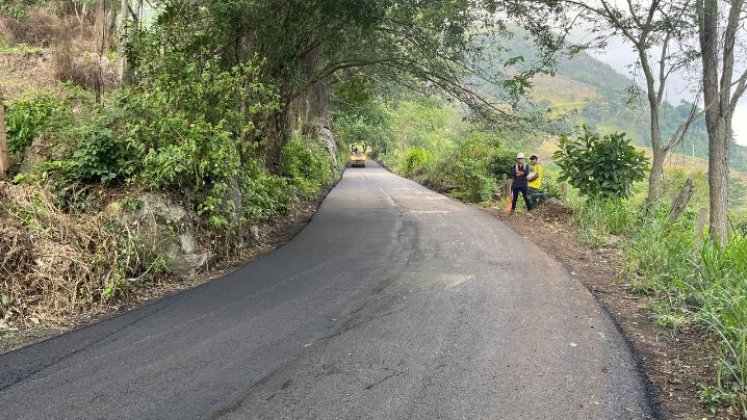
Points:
x=584, y=90
x=119, y=189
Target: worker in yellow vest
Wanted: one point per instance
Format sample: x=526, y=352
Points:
x=535, y=180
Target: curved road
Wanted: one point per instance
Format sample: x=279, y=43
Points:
x=393, y=303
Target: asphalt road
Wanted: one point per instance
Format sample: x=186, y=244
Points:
x=393, y=303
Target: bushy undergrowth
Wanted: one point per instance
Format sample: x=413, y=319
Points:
x=266, y=197
x=689, y=285
x=55, y=263
x=307, y=165
x=469, y=168
x=464, y=170
x=192, y=135
x=415, y=161
x=600, y=220
x=32, y=117
x=182, y=134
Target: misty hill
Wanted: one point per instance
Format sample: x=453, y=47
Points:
x=584, y=90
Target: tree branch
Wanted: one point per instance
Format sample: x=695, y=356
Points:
x=679, y=134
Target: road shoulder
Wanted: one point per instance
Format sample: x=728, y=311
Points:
x=675, y=364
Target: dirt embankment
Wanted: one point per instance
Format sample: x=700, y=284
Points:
x=268, y=237
x=676, y=364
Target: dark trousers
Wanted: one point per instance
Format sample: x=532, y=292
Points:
x=515, y=192
x=536, y=197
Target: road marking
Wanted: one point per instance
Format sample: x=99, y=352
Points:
x=429, y=211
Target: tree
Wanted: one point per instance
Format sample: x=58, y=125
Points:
x=128, y=15
x=651, y=25
x=307, y=46
x=603, y=167
x=721, y=91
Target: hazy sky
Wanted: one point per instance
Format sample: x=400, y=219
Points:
x=620, y=55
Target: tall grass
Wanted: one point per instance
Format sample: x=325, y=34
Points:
x=599, y=220
x=689, y=284
x=661, y=254
x=721, y=290
x=706, y=286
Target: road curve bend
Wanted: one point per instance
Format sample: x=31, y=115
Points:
x=393, y=303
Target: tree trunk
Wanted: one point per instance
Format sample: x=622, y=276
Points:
x=123, y=37
x=139, y=15
x=99, y=81
x=717, y=95
x=659, y=155
x=655, y=176
x=718, y=180
x=278, y=135
x=4, y=160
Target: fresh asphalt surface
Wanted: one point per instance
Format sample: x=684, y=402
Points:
x=393, y=303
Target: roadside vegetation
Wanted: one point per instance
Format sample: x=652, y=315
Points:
x=74, y=223
x=118, y=188
x=145, y=144
x=692, y=281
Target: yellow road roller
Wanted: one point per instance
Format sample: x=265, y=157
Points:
x=357, y=157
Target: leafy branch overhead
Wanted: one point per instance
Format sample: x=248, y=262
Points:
x=307, y=44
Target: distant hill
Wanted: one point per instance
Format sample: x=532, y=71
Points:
x=587, y=91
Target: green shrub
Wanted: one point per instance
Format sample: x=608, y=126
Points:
x=501, y=162
x=16, y=9
x=265, y=196
x=551, y=187
x=184, y=128
x=307, y=165
x=415, y=161
x=203, y=155
x=469, y=170
x=474, y=185
x=29, y=119
x=102, y=156
x=600, y=166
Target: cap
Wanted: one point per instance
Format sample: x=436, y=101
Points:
x=520, y=156
x=532, y=157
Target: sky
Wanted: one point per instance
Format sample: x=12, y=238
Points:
x=619, y=55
